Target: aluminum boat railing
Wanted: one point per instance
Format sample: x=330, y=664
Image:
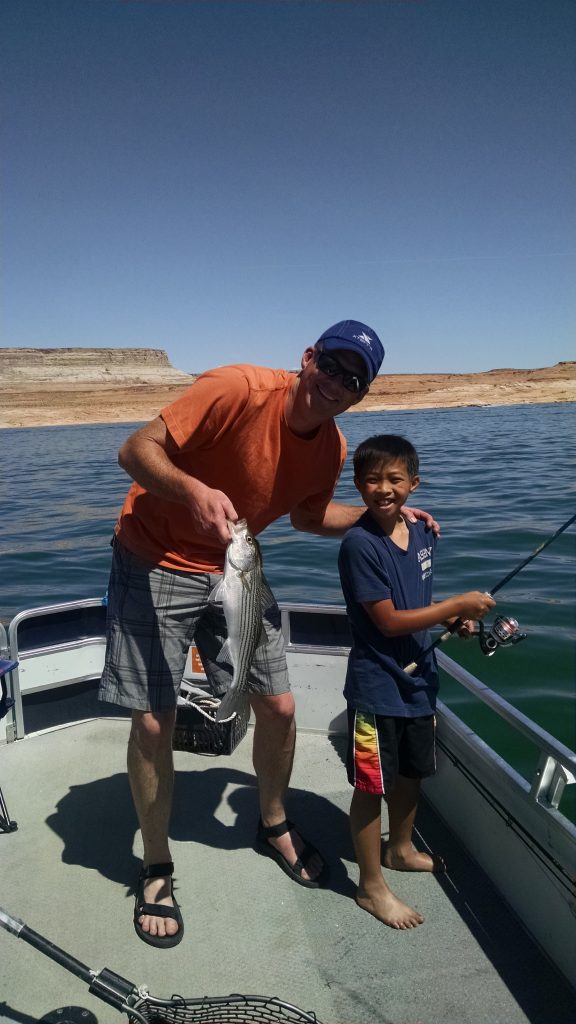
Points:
x=512, y=826
x=63, y=644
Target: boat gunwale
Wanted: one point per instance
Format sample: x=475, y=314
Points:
x=547, y=745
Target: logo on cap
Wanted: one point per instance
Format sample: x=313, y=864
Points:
x=364, y=338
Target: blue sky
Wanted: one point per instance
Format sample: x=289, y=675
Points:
x=223, y=179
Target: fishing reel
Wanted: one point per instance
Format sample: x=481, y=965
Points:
x=505, y=632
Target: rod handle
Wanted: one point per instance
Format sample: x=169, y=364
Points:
x=410, y=669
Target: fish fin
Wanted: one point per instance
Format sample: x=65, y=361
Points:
x=217, y=593
x=225, y=653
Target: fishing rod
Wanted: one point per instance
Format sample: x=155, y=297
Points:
x=505, y=631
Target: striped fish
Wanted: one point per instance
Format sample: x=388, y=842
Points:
x=240, y=592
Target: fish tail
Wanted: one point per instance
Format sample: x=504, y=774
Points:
x=229, y=704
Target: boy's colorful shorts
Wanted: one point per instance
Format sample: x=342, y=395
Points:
x=381, y=747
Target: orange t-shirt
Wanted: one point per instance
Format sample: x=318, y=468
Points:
x=231, y=434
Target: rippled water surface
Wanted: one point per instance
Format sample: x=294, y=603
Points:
x=499, y=481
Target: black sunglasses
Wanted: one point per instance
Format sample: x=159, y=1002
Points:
x=332, y=368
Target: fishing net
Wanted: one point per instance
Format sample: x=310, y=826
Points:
x=142, y=1008
x=233, y=1009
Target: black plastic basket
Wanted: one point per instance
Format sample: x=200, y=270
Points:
x=196, y=730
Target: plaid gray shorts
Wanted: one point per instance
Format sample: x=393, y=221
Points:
x=153, y=616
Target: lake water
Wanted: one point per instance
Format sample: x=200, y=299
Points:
x=499, y=481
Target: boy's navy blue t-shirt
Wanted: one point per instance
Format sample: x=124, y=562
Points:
x=373, y=568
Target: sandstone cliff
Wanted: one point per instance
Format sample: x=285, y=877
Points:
x=492, y=387
x=84, y=365
x=50, y=387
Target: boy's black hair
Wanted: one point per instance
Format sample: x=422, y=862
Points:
x=382, y=448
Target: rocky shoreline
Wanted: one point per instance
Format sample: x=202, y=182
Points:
x=58, y=387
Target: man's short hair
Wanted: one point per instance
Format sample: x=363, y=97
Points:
x=383, y=448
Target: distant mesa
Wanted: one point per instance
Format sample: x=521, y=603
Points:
x=85, y=365
x=58, y=386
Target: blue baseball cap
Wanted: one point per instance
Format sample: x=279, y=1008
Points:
x=357, y=337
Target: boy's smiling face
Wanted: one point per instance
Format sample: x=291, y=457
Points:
x=385, y=488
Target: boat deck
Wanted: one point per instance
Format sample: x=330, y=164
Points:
x=67, y=873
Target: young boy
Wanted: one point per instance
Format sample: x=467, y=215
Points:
x=386, y=568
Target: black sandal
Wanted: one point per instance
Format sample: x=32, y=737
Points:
x=293, y=870
x=157, y=909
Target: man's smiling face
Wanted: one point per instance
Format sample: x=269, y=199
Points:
x=325, y=395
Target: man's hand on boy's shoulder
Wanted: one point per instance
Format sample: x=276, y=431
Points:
x=414, y=514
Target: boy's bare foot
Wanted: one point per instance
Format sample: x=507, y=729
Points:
x=410, y=860
x=385, y=906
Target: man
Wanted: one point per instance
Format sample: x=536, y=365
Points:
x=242, y=442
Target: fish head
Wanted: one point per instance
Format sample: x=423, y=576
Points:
x=243, y=551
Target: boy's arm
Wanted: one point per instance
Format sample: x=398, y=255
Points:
x=393, y=622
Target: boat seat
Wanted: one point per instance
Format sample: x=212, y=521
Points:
x=6, y=702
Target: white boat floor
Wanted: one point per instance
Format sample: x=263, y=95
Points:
x=68, y=870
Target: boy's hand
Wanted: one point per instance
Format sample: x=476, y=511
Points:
x=413, y=514
x=474, y=605
x=467, y=630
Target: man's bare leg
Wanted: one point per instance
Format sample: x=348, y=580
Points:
x=399, y=853
x=151, y=775
x=373, y=894
x=273, y=756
